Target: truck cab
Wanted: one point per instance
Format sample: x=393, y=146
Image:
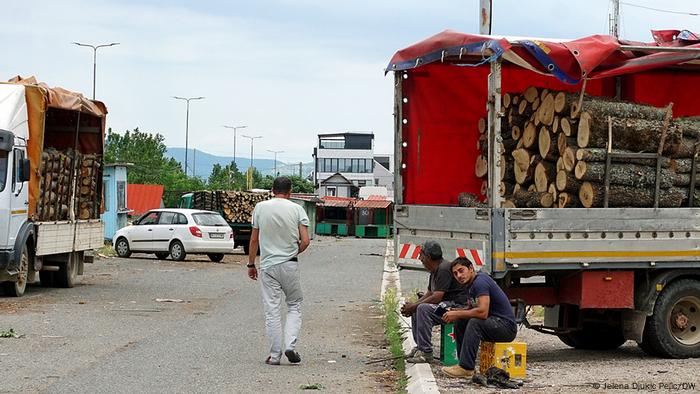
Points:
x=14, y=174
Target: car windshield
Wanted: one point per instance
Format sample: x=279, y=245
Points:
x=209, y=219
x=3, y=170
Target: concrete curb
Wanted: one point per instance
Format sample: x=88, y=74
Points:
x=420, y=376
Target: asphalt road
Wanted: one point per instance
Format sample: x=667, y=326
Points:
x=109, y=334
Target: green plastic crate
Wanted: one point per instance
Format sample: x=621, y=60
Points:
x=448, y=345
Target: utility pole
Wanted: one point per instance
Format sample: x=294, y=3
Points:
x=300, y=168
x=194, y=162
x=275, y=152
x=485, y=8
x=615, y=20
x=235, y=128
x=250, y=171
x=94, y=60
x=187, y=123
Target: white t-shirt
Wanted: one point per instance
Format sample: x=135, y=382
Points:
x=278, y=221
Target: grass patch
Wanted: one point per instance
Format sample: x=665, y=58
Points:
x=392, y=330
x=107, y=250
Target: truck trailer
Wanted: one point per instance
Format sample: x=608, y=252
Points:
x=605, y=275
x=51, y=147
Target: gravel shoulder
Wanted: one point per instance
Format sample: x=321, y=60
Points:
x=554, y=367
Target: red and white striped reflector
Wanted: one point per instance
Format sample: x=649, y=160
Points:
x=473, y=255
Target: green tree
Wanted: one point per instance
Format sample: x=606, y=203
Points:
x=226, y=178
x=146, y=152
x=299, y=184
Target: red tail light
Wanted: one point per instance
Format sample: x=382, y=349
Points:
x=194, y=230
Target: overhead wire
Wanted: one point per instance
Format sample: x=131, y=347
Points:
x=660, y=9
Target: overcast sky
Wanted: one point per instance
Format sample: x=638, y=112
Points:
x=289, y=69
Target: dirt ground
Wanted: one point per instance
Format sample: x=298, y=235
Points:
x=554, y=367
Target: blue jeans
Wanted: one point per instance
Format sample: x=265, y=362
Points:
x=470, y=332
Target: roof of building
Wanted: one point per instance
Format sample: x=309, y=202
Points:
x=142, y=198
x=381, y=204
x=337, y=202
x=344, y=134
x=337, y=175
x=305, y=197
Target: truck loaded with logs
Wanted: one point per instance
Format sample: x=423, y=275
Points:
x=51, y=147
x=235, y=206
x=567, y=170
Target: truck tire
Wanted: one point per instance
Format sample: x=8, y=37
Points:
x=177, y=251
x=17, y=288
x=122, y=248
x=67, y=274
x=673, y=330
x=46, y=278
x=162, y=255
x=216, y=257
x=594, y=337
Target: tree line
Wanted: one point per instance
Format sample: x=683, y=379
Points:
x=147, y=153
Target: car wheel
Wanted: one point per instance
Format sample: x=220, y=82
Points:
x=162, y=255
x=177, y=251
x=216, y=257
x=17, y=288
x=122, y=248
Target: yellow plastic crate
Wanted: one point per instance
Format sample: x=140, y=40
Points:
x=509, y=356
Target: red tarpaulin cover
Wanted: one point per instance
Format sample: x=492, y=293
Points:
x=444, y=103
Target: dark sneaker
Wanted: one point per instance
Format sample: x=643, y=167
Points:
x=420, y=357
x=292, y=356
x=412, y=353
x=270, y=361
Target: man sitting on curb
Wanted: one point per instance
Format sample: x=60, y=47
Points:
x=489, y=317
x=442, y=286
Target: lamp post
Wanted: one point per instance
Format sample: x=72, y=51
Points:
x=187, y=123
x=250, y=177
x=235, y=128
x=275, y=152
x=94, y=60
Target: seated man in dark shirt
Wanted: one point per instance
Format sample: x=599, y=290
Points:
x=442, y=286
x=488, y=317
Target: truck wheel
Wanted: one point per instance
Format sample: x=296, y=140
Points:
x=216, y=257
x=177, y=251
x=162, y=255
x=596, y=337
x=122, y=248
x=673, y=330
x=46, y=278
x=67, y=273
x=16, y=289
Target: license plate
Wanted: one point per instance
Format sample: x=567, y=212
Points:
x=216, y=235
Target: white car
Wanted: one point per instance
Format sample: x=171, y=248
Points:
x=176, y=232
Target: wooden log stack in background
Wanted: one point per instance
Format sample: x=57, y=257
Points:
x=235, y=206
x=554, y=152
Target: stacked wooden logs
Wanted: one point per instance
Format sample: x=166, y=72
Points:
x=88, y=204
x=555, y=148
x=59, y=170
x=235, y=206
x=55, y=190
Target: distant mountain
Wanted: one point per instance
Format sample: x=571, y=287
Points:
x=203, y=163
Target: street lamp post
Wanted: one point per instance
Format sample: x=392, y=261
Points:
x=187, y=123
x=94, y=60
x=235, y=128
x=252, y=139
x=275, y=152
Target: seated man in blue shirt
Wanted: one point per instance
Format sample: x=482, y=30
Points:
x=488, y=317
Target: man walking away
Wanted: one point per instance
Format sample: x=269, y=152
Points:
x=442, y=286
x=280, y=228
x=489, y=317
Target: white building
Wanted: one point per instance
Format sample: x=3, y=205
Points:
x=384, y=173
x=344, y=162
